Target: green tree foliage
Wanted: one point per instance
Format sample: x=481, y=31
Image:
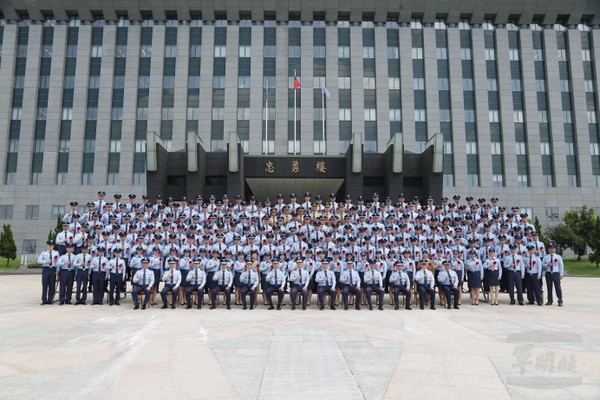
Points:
x=576, y=232
x=538, y=229
x=57, y=229
x=8, y=248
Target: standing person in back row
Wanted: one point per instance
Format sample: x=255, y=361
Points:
x=555, y=270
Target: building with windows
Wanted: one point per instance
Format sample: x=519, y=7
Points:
x=484, y=98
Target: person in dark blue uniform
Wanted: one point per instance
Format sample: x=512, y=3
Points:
x=48, y=259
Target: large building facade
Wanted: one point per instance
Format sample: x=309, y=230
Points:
x=509, y=89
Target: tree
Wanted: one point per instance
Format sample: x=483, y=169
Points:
x=562, y=236
x=8, y=248
x=581, y=223
x=594, y=243
x=538, y=229
x=57, y=229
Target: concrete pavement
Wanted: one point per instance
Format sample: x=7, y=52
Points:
x=101, y=352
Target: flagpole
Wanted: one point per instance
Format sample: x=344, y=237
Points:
x=295, y=112
x=266, y=144
x=323, y=118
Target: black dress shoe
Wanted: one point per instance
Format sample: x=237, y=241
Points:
x=188, y=307
x=110, y=303
x=421, y=307
x=271, y=307
x=521, y=303
x=370, y=307
x=432, y=308
x=278, y=306
x=173, y=307
x=407, y=308
x=68, y=302
x=357, y=307
x=512, y=303
x=456, y=307
x=529, y=303
x=548, y=304
x=560, y=303
x=212, y=307
x=163, y=307
x=117, y=303
x=62, y=303
x=332, y=307
x=136, y=307
x=321, y=308
x=144, y=307
x=43, y=303
x=346, y=308
x=448, y=307
x=293, y=307
x=228, y=307
x=252, y=307
x=303, y=307
x=245, y=307
x=397, y=307
x=380, y=308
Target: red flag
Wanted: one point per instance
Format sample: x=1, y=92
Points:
x=296, y=83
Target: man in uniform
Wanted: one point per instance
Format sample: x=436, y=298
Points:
x=98, y=268
x=82, y=263
x=196, y=279
x=374, y=283
x=513, y=265
x=67, y=275
x=449, y=284
x=222, y=280
x=298, y=283
x=350, y=281
x=400, y=282
x=425, y=284
x=117, y=270
x=275, y=279
x=326, y=284
x=172, y=280
x=533, y=275
x=555, y=270
x=143, y=280
x=249, y=282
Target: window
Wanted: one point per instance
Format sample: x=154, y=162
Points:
x=16, y=113
x=121, y=51
x=218, y=82
x=139, y=178
x=370, y=114
x=19, y=82
x=146, y=51
x=469, y=115
x=490, y=54
x=294, y=51
x=465, y=53
x=87, y=178
x=115, y=146
x=419, y=84
x=166, y=114
x=28, y=246
x=395, y=114
x=245, y=51
x=72, y=50
x=589, y=85
x=552, y=213
x=393, y=83
x=193, y=82
x=540, y=85
x=368, y=83
x=448, y=180
x=570, y=149
x=538, y=55
x=67, y=114
x=548, y=181
x=143, y=82
x=564, y=85
x=218, y=114
x=545, y=148
x=57, y=211
x=439, y=24
x=170, y=51
x=96, y=51
x=562, y=55
x=140, y=146
x=441, y=53
x=513, y=54
x=393, y=53
x=522, y=181
x=492, y=85
x=417, y=53
x=416, y=24
x=520, y=148
x=591, y=117
x=343, y=52
x=471, y=147
x=345, y=114
x=32, y=212
x=516, y=85
x=89, y=146
x=443, y=84
x=192, y=113
x=142, y=114
x=448, y=148
x=220, y=51
x=243, y=114
x=473, y=180
x=113, y=178
x=116, y=114
x=543, y=116
x=572, y=180
x=13, y=145
x=445, y=115
x=319, y=52
x=420, y=115
x=496, y=148
x=6, y=212
x=518, y=116
x=463, y=25
x=567, y=117
x=195, y=50
x=498, y=180
x=368, y=52
x=269, y=52
x=594, y=149
x=344, y=82
x=69, y=82
x=493, y=116
x=38, y=146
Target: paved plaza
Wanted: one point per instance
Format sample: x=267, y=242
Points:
x=484, y=352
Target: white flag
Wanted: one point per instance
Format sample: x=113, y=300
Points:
x=326, y=92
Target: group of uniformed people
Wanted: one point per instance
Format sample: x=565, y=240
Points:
x=338, y=249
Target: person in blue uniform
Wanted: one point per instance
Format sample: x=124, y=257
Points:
x=449, y=284
x=143, y=281
x=474, y=268
x=66, y=274
x=172, y=280
x=298, y=284
x=275, y=279
x=425, y=285
x=222, y=280
x=196, y=280
x=400, y=283
x=374, y=283
x=117, y=269
x=48, y=259
x=325, y=280
x=513, y=266
x=493, y=271
x=552, y=263
x=249, y=282
x=533, y=275
x=82, y=264
x=350, y=280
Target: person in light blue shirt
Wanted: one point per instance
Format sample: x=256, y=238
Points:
x=325, y=280
x=374, y=283
x=533, y=275
x=222, y=281
x=514, y=267
x=298, y=284
x=275, y=283
x=172, y=279
x=117, y=270
x=425, y=284
x=350, y=280
x=196, y=280
x=449, y=284
x=552, y=263
x=249, y=282
x=143, y=281
x=400, y=282
x=82, y=263
x=67, y=274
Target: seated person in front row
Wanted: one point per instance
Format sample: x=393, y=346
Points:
x=172, y=279
x=350, y=281
x=196, y=279
x=425, y=284
x=326, y=284
x=249, y=282
x=400, y=283
x=449, y=284
x=299, y=283
x=143, y=281
x=374, y=283
x=222, y=282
